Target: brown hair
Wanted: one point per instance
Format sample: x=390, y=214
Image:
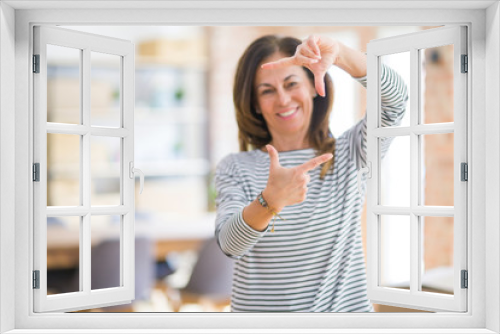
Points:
x=253, y=131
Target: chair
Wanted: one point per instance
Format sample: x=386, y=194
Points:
x=105, y=266
x=210, y=282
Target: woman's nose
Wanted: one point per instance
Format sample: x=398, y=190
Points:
x=284, y=97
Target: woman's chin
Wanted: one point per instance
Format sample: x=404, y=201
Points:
x=291, y=131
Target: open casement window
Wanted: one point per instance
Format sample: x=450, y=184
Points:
x=401, y=204
x=84, y=166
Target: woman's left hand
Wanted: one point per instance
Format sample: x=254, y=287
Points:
x=315, y=53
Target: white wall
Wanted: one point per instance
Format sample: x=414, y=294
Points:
x=492, y=162
x=7, y=92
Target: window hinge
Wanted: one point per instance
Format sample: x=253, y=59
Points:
x=36, y=63
x=464, y=171
x=465, y=64
x=36, y=172
x=465, y=279
x=36, y=279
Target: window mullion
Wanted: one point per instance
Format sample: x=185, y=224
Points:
x=423, y=129
x=77, y=129
x=436, y=211
x=414, y=170
x=85, y=237
x=56, y=211
x=437, y=128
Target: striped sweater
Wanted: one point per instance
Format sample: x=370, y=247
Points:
x=314, y=260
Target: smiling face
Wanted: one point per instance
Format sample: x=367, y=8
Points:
x=284, y=96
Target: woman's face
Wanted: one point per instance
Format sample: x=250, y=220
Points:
x=285, y=98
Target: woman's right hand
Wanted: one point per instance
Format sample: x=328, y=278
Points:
x=317, y=53
x=288, y=186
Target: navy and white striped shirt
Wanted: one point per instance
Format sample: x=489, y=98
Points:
x=314, y=260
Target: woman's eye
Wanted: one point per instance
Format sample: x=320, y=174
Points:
x=267, y=91
x=292, y=84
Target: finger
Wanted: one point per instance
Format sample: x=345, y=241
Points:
x=305, y=50
x=312, y=43
x=303, y=60
x=313, y=163
x=273, y=157
x=287, y=61
x=319, y=83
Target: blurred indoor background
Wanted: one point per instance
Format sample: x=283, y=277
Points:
x=184, y=125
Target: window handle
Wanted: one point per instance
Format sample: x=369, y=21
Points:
x=364, y=170
x=132, y=171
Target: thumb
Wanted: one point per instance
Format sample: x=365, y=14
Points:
x=273, y=157
x=319, y=83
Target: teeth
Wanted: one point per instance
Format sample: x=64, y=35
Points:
x=288, y=113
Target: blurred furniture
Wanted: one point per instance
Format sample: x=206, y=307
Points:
x=106, y=266
x=210, y=282
x=105, y=270
x=155, y=239
x=165, y=234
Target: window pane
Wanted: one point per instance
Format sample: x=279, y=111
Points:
x=437, y=169
x=105, y=89
x=436, y=84
x=63, y=254
x=182, y=197
x=437, y=254
x=395, y=251
x=400, y=62
x=106, y=266
x=105, y=168
x=395, y=171
x=63, y=170
x=63, y=84
x=163, y=140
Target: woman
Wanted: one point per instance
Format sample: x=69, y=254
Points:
x=295, y=228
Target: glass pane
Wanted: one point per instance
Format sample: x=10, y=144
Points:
x=395, y=171
x=400, y=62
x=183, y=197
x=161, y=89
x=437, y=254
x=105, y=168
x=437, y=169
x=63, y=84
x=63, y=170
x=395, y=251
x=63, y=254
x=106, y=266
x=105, y=89
x=436, y=84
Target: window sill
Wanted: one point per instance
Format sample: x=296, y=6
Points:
x=253, y=331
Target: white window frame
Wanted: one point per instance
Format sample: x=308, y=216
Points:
x=483, y=21
x=415, y=210
x=123, y=51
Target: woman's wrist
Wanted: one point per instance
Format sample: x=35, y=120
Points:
x=272, y=202
x=352, y=61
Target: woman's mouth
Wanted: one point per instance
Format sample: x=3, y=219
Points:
x=288, y=114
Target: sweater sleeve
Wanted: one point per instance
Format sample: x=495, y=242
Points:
x=234, y=236
x=394, y=96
